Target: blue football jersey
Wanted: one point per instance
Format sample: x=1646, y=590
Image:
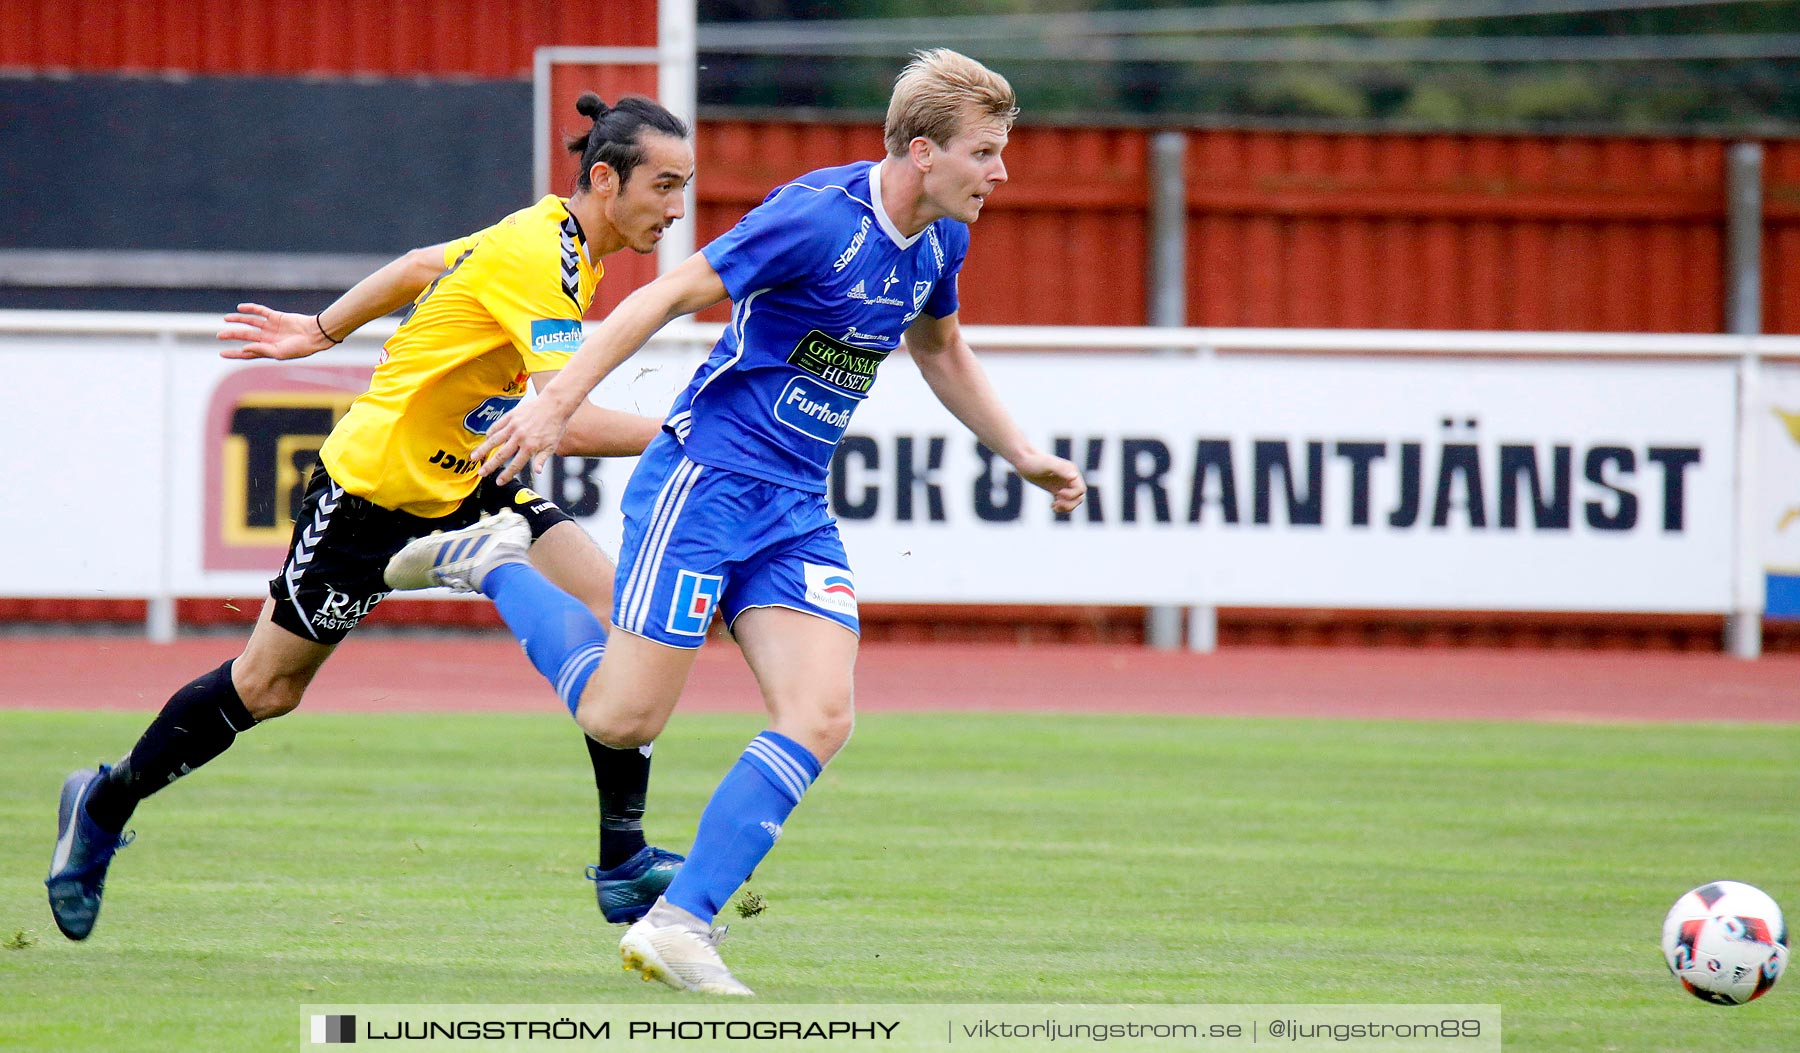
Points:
x=822, y=286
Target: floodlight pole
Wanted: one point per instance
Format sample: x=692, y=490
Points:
x=676, y=68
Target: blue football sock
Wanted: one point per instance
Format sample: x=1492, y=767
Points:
x=742, y=822
x=560, y=635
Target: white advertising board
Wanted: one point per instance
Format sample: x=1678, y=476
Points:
x=88, y=475
x=1312, y=481
x=1322, y=480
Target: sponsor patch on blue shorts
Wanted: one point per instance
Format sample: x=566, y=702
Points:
x=701, y=540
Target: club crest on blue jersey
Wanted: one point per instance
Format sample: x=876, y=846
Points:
x=483, y=417
x=830, y=588
x=696, y=597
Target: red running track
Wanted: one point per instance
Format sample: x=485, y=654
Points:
x=416, y=674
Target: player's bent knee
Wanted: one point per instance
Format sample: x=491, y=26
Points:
x=271, y=698
x=836, y=733
x=618, y=730
x=823, y=730
x=836, y=725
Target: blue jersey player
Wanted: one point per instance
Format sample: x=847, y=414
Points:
x=726, y=511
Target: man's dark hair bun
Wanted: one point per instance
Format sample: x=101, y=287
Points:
x=616, y=135
x=590, y=105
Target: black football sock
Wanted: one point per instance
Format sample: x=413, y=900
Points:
x=197, y=724
x=623, y=779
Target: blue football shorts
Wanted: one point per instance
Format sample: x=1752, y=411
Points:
x=700, y=540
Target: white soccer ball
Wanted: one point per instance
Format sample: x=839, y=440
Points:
x=1726, y=942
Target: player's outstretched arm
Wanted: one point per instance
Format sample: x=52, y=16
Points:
x=957, y=379
x=529, y=434
x=594, y=431
x=263, y=332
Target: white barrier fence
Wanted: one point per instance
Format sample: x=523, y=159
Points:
x=1267, y=468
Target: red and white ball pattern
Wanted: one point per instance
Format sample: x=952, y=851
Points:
x=1726, y=942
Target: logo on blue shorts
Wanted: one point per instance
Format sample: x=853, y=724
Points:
x=830, y=588
x=696, y=597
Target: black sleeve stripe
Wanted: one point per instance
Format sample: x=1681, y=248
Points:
x=571, y=263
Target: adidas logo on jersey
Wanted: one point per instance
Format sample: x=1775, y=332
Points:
x=860, y=291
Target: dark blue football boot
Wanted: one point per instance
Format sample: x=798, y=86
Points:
x=626, y=892
x=83, y=852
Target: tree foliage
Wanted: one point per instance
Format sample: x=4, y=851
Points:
x=1628, y=95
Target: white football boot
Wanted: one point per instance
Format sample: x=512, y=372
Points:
x=460, y=559
x=674, y=946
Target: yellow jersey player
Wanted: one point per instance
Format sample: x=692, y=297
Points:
x=489, y=313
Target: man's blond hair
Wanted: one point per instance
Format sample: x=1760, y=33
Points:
x=936, y=90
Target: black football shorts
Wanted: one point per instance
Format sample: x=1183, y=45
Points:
x=342, y=543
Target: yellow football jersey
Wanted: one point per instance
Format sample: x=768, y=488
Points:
x=509, y=304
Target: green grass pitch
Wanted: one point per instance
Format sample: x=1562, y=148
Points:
x=942, y=858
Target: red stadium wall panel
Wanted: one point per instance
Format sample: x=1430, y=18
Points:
x=1062, y=244
x=1455, y=232
x=438, y=38
x=1585, y=233
x=739, y=162
x=1781, y=238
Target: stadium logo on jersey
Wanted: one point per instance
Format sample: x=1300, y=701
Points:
x=263, y=433
x=841, y=365
x=856, y=244
x=830, y=588
x=555, y=335
x=484, y=416
x=815, y=412
x=696, y=597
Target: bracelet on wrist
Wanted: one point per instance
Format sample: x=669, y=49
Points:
x=318, y=320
